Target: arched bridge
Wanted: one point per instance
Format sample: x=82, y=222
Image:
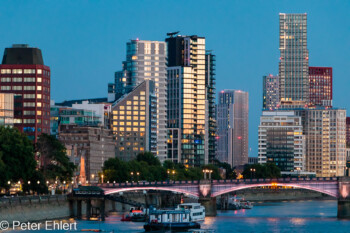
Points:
x=214, y=188
x=208, y=190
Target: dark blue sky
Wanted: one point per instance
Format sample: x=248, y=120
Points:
x=84, y=41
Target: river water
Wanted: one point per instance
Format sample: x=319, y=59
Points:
x=291, y=216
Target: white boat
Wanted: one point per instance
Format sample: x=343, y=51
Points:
x=197, y=212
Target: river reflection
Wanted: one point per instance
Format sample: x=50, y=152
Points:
x=295, y=216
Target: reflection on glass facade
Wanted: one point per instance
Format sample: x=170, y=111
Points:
x=294, y=59
x=188, y=121
x=6, y=109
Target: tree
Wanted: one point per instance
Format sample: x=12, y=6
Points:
x=268, y=170
x=17, y=161
x=54, y=161
x=149, y=158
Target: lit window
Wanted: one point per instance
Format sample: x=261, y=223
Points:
x=142, y=93
x=136, y=102
x=128, y=118
x=121, y=112
x=121, y=123
x=136, y=118
x=39, y=88
x=128, y=102
x=136, y=97
x=121, y=117
x=121, y=128
x=128, y=123
x=38, y=113
x=135, y=129
x=128, y=129
x=142, y=129
x=128, y=113
x=134, y=57
x=38, y=96
x=115, y=112
x=40, y=71
x=136, y=112
x=136, y=123
x=142, y=113
x=121, y=108
x=38, y=104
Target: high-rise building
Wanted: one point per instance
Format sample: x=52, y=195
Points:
x=24, y=74
x=271, y=97
x=147, y=60
x=281, y=141
x=135, y=122
x=294, y=60
x=191, y=97
x=232, y=119
x=210, y=84
x=6, y=109
x=324, y=130
x=321, y=86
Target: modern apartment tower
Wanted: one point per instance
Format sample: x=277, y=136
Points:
x=191, y=97
x=210, y=84
x=294, y=60
x=135, y=122
x=321, y=86
x=271, y=97
x=281, y=141
x=232, y=119
x=146, y=60
x=24, y=74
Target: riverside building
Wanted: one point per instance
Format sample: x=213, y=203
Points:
x=6, y=109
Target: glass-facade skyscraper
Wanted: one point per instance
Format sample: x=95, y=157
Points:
x=294, y=60
x=191, y=101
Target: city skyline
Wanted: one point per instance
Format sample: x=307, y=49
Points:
x=101, y=60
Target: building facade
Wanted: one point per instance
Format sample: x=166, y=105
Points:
x=24, y=74
x=281, y=141
x=190, y=101
x=325, y=132
x=321, y=86
x=135, y=122
x=348, y=132
x=147, y=60
x=89, y=147
x=271, y=97
x=6, y=109
x=232, y=119
x=294, y=60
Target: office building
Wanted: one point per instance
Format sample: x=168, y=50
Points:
x=348, y=132
x=294, y=60
x=146, y=60
x=88, y=146
x=232, y=119
x=281, y=141
x=135, y=121
x=24, y=74
x=321, y=86
x=6, y=109
x=191, y=98
x=271, y=97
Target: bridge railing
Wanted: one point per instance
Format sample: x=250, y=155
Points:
x=195, y=182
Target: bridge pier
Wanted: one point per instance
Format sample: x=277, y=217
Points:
x=344, y=198
x=79, y=202
x=71, y=208
x=88, y=209
x=209, y=204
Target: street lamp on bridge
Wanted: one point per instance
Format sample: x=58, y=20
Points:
x=205, y=171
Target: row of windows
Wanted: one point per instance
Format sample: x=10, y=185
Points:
x=24, y=71
x=129, y=123
x=135, y=129
x=135, y=118
x=19, y=79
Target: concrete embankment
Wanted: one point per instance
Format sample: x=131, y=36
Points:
x=280, y=194
x=33, y=208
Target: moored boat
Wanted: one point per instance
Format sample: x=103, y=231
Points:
x=176, y=220
x=197, y=211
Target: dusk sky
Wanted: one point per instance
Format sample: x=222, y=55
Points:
x=84, y=42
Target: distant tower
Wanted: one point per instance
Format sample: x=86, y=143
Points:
x=232, y=118
x=271, y=97
x=321, y=86
x=294, y=60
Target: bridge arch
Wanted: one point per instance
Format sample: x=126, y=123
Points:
x=171, y=189
x=331, y=191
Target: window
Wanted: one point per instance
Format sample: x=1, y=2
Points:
x=29, y=71
x=121, y=108
x=17, y=71
x=5, y=88
x=17, y=88
x=5, y=80
x=38, y=113
x=128, y=102
x=26, y=113
x=38, y=96
x=29, y=79
x=40, y=71
x=38, y=104
x=6, y=71
x=136, y=118
x=39, y=88
x=29, y=88
x=39, y=80
x=17, y=80
x=29, y=96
